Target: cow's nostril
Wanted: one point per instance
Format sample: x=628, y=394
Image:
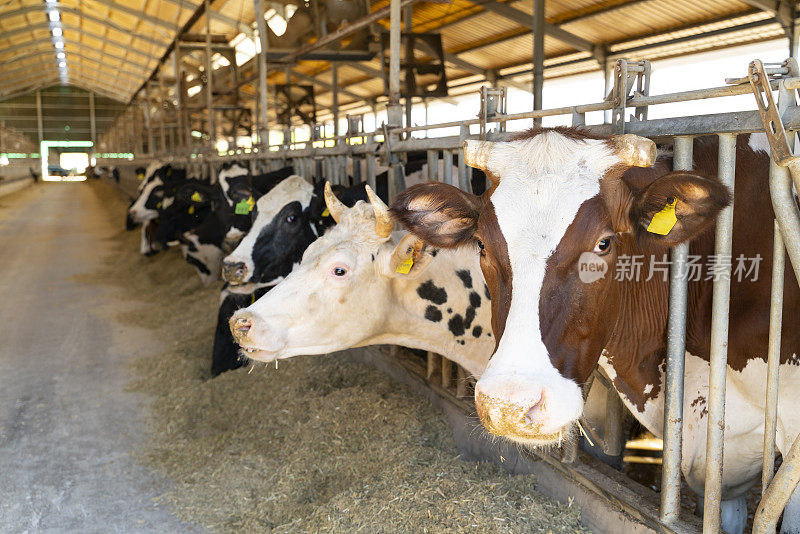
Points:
x=234, y=272
x=240, y=326
x=535, y=413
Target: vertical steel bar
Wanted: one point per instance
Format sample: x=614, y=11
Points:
x=92, y=123
x=538, y=55
x=461, y=384
x=371, y=171
x=447, y=166
x=718, y=357
x=176, y=69
x=161, y=115
x=773, y=354
x=212, y=119
x=463, y=170
x=261, y=24
x=335, y=96
x=433, y=158
x=341, y=161
x=39, y=120
x=612, y=436
x=676, y=350
x=147, y=120
x=431, y=361
x=447, y=373
x=394, y=110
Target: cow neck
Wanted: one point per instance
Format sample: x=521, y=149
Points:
x=435, y=308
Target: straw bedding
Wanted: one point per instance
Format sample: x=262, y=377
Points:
x=318, y=444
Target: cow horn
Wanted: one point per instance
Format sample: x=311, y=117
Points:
x=335, y=206
x=476, y=153
x=635, y=151
x=383, y=221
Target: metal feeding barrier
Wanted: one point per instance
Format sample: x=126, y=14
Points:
x=330, y=158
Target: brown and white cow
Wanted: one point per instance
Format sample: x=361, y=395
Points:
x=559, y=194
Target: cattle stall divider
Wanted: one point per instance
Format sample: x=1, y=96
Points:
x=328, y=158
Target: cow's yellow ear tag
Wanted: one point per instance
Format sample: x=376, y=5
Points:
x=191, y=210
x=664, y=220
x=326, y=213
x=197, y=197
x=404, y=267
x=140, y=176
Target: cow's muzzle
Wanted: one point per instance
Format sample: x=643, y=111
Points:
x=234, y=272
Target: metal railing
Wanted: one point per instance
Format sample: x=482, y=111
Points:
x=331, y=162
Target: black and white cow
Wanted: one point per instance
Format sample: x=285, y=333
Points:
x=233, y=199
x=286, y=221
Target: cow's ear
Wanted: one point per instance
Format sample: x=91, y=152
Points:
x=439, y=214
x=677, y=207
x=410, y=257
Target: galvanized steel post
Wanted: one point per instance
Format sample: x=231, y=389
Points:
x=92, y=123
x=718, y=357
x=261, y=24
x=773, y=352
x=765, y=520
x=676, y=349
x=538, y=56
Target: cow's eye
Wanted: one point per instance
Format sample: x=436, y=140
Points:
x=481, y=248
x=339, y=271
x=603, y=246
x=291, y=218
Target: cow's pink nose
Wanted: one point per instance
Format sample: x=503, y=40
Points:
x=240, y=327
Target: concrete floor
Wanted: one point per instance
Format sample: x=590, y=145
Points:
x=68, y=431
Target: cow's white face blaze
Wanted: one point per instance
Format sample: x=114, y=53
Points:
x=233, y=171
x=544, y=182
x=145, y=207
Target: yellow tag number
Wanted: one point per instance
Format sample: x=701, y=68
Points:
x=664, y=220
x=404, y=267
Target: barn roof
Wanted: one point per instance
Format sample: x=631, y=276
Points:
x=112, y=47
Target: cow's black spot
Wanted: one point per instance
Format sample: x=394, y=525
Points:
x=199, y=265
x=486, y=291
x=429, y=291
x=432, y=313
x=466, y=278
x=476, y=332
x=469, y=316
x=474, y=300
x=456, y=325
